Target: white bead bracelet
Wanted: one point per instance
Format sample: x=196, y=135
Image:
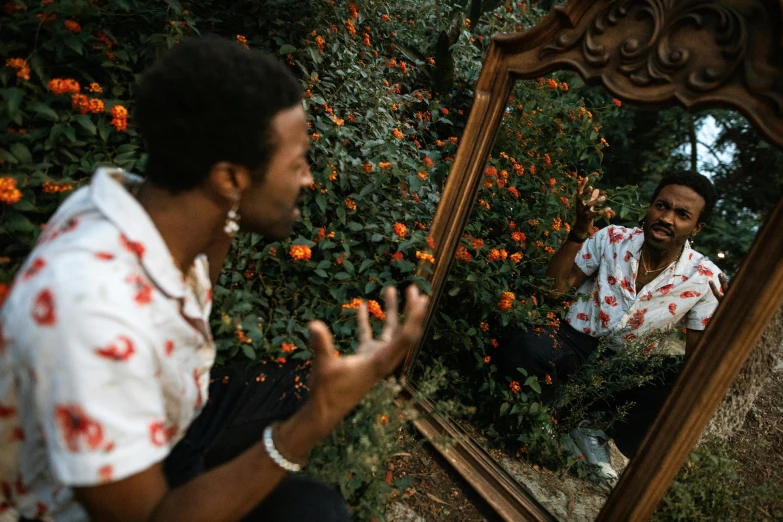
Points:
x=275, y=455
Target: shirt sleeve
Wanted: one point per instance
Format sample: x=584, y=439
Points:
x=589, y=257
x=700, y=315
x=95, y=376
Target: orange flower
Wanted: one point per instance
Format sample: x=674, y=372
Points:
x=354, y=304
x=338, y=121
x=519, y=237
x=397, y=133
x=375, y=310
x=506, y=301
x=120, y=117
x=366, y=40
x=385, y=18
x=552, y=182
x=9, y=194
x=385, y=165
x=321, y=43
x=564, y=86
x=424, y=256
x=548, y=379
x=400, y=229
x=444, y=111
x=53, y=188
x=516, y=257
x=367, y=167
x=351, y=29
x=552, y=84
x=463, y=254
x=514, y=386
x=430, y=241
x=533, y=169
x=95, y=88
x=349, y=203
x=241, y=39
x=494, y=343
x=487, y=359
x=428, y=161
x=484, y=326
x=288, y=347
x=354, y=12
x=398, y=256
x=64, y=85
x=617, y=102
x=300, y=253
x=422, y=175
x=22, y=69
x=242, y=338
x=73, y=26
x=478, y=244
x=547, y=160
x=80, y=102
x=95, y=105
x=513, y=191
x=604, y=143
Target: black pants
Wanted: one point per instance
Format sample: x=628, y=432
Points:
x=241, y=404
x=560, y=352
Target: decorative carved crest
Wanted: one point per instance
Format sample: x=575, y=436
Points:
x=698, y=52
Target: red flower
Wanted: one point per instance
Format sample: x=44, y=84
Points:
x=133, y=247
x=43, y=309
x=611, y=301
x=626, y=284
x=77, y=428
x=35, y=267
x=143, y=290
x=104, y=256
x=703, y=270
x=627, y=256
x=705, y=321
x=672, y=308
x=159, y=435
x=105, y=473
x=587, y=256
x=586, y=329
x=6, y=411
x=119, y=351
x=638, y=319
x=612, y=280
x=689, y=293
x=604, y=319
x=169, y=348
x=666, y=289
x=582, y=317
x=398, y=256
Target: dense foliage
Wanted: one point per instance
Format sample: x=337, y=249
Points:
x=388, y=89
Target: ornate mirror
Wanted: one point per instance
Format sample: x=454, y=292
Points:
x=688, y=54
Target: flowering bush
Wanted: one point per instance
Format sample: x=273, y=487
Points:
x=387, y=89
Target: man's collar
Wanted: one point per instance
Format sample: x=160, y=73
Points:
x=110, y=195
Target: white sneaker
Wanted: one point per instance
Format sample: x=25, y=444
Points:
x=594, y=445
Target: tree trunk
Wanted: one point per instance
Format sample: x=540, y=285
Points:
x=754, y=375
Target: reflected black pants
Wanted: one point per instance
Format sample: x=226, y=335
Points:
x=560, y=352
x=241, y=404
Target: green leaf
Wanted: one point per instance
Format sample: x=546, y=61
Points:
x=287, y=49
x=342, y=276
x=321, y=273
x=249, y=352
x=349, y=267
x=504, y=408
x=367, y=263
x=21, y=152
x=13, y=98
x=376, y=237
x=87, y=124
x=45, y=111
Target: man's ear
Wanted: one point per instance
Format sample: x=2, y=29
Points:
x=696, y=229
x=227, y=180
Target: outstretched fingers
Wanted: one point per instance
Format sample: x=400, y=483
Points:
x=321, y=343
x=392, y=318
x=363, y=318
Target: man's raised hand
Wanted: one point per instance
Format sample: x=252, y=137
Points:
x=338, y=383
x=586, y=199
x=724, y=287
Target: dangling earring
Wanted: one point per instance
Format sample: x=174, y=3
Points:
x=232, y=219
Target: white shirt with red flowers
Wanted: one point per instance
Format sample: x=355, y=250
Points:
x=105, y=352
x=609, y=305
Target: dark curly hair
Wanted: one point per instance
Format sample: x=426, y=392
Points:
x=208, y=100
x=698, y=183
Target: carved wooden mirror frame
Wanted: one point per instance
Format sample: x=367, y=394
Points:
x=692, y=53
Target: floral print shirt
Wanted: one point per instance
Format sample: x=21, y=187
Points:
x=105, y=352
x=609, y=305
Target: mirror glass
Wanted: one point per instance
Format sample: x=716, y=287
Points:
x=561, y=352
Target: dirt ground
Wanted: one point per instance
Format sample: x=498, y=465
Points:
x=437, y=492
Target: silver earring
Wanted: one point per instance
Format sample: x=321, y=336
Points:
x=232, y=220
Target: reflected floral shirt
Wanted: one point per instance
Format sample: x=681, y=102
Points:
x=105, y=352
x=609, y=305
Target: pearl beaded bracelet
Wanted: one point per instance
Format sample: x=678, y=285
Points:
x=275, y=455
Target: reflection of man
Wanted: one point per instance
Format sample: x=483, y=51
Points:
x=636, y=282
x=107, y=353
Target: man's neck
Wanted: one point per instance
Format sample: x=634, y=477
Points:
x=186, y=221
x=656, y=259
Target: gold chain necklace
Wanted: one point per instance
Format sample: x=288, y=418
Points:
x=648, y=271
